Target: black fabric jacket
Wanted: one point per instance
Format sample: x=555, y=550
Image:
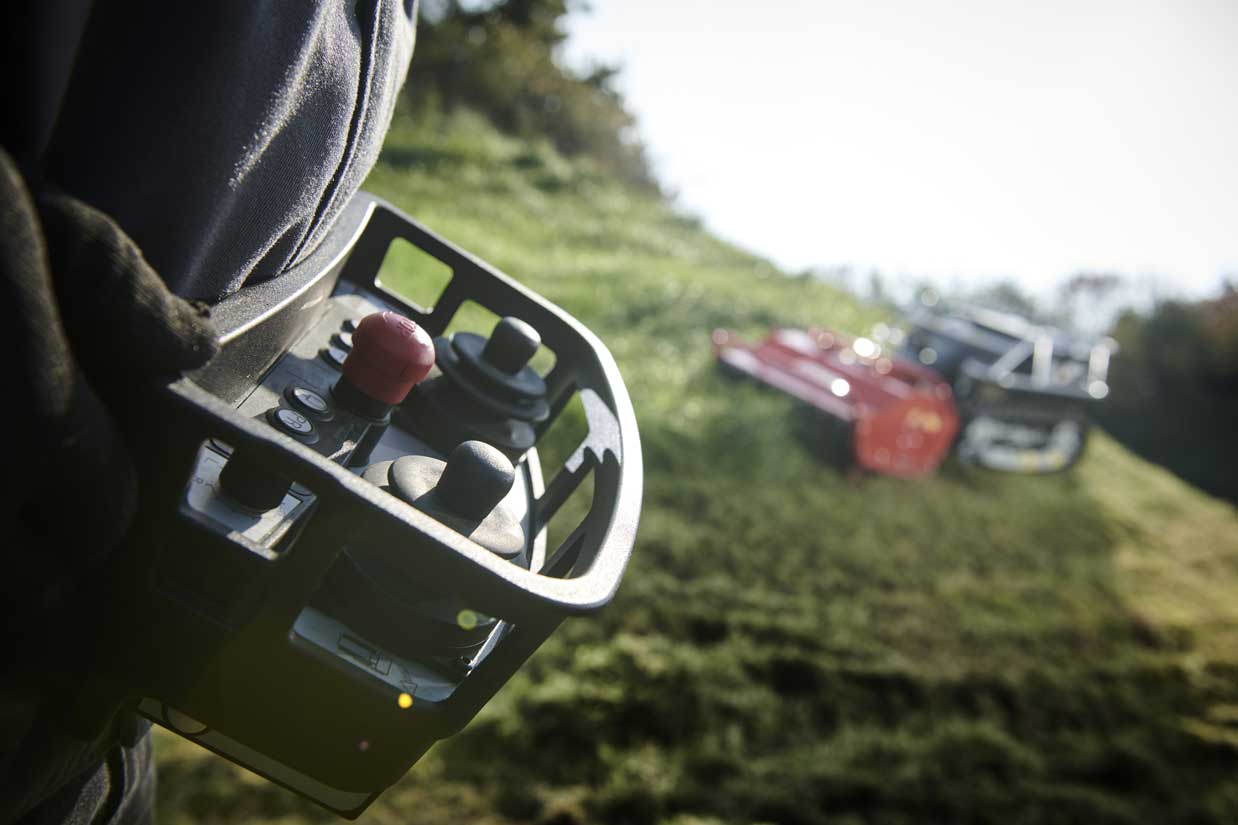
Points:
x=154, y=150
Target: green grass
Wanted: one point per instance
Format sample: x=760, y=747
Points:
x=792, y=644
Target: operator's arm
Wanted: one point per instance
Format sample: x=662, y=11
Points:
x=155, y=154
x=85, y=317
x=223, y=137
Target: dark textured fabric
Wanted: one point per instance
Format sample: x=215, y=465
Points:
x=38, y=40
x=224, y=137
x=84, y=316
x=123, y=323
x=120, y=791
x=59, y=431
x=201, y=146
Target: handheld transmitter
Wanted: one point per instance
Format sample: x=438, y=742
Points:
x=341, y=549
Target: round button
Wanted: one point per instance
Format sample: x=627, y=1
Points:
x=335, y=356
x=309, y=402
x=291, y=422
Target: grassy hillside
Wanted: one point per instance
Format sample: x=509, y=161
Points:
x=795, y=645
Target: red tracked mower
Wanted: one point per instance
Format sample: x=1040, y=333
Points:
x=894, y=416
x=1007, y=394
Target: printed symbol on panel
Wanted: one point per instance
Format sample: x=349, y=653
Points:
x=355, y=648
x=407, y=682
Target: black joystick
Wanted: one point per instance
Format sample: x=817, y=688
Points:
x=486, y=390
x=464, y=493
x=474, y=480
x=376, y=587
x=512, y=343
x=249, y=482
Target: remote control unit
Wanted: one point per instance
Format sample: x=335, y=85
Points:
x=341, y=549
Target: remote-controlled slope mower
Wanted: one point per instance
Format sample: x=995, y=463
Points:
x=1008, y=394
x=885, y=414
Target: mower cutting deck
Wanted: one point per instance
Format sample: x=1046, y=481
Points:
x=896, y=417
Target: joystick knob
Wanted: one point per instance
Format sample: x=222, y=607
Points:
x=465, y=493
x=248, y=481
x=473, y=482
x=487, y=390
x=512, y=343
x=389, y=355
x=379, y=587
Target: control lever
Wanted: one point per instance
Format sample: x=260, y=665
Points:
x=487, y=390
x=252, y=485
x=390, y=354
x=376, y=587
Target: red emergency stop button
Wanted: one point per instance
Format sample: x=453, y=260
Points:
x=389, y=355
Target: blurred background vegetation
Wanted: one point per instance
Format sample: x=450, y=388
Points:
x=502, y=60
x=1175, y=389
x=794, y=644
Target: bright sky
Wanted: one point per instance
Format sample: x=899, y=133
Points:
x=963, y=139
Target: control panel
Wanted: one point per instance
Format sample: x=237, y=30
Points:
x=345, y=551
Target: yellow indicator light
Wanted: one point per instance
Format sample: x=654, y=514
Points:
x=405, y=701
x=467, y=619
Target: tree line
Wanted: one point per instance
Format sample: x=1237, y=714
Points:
x=504, y=60
x=1174, y=388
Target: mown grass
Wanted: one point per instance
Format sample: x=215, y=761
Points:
x=794, y=644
